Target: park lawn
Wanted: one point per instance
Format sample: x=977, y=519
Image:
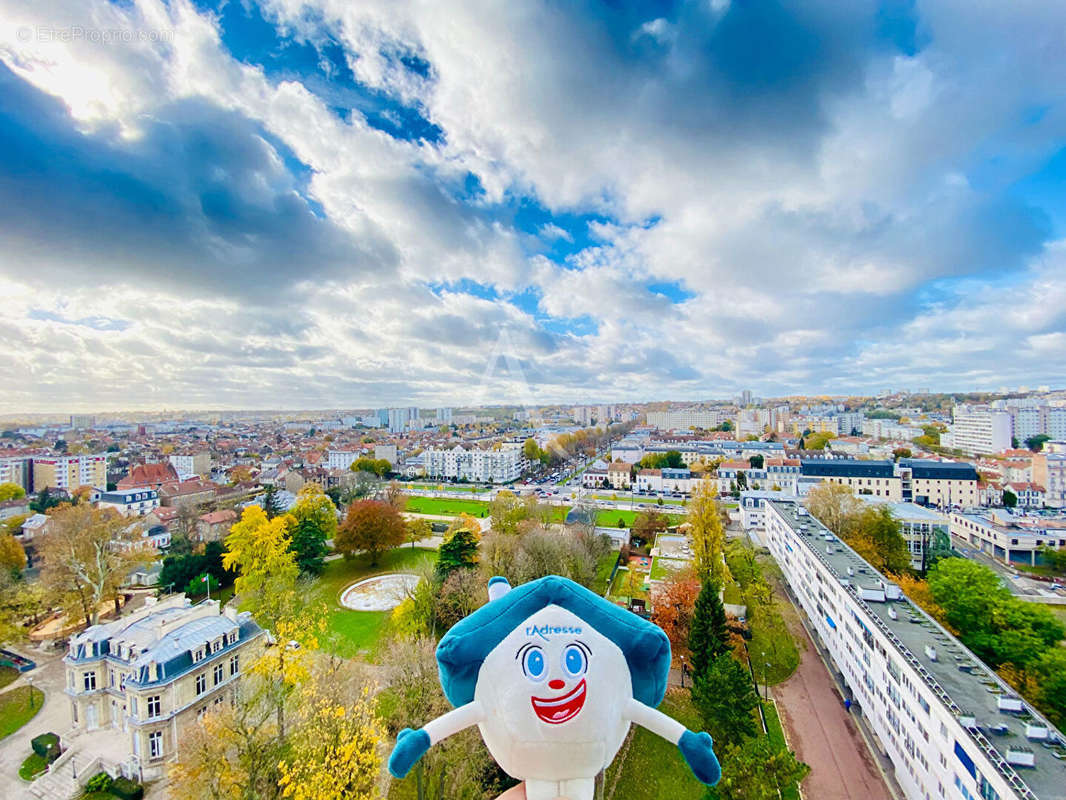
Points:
x=770, y=635
x=7, y=676
x=15, y=710
x=33, y=766
x=609, y=517
x=652, y=768
x=446, y=506
x=359, y=631
x=619, y=589
x=777, y=737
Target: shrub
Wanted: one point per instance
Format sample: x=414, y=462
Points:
x=100, y=782
x=126, y=789
x=46, y=746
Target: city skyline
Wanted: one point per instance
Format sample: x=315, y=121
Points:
x=309, y=204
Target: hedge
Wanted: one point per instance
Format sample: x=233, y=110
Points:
x=127, y=789
x=46, y=746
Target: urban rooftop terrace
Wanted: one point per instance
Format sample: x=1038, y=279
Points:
x=995, y=716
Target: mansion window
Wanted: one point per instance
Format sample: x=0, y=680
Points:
x=90, y=681
x=154, y=706
x=201, y=683
x=234, y=665
x=155, y=744
x=218, y=674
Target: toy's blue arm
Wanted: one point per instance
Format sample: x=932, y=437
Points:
x=697, y=748
x=411, y=745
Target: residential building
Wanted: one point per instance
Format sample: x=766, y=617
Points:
x=482, y=466
x=753, y=506
x=214, y=526
x=948, y=725
x=444, y=416
x=69, y=472
x=131, y=502
x=192, y=492
x=649, y=480
x=1008, y=537
x=341, y=459
x=188, y=465
x=687, y=418
x=876, y=478
x=386, y=452
x=82, y=421
x=594, y=478
x=1049, y=471
x=925, y=530
x=1029, y=495
x=618, y=475
x=944, y=484
x=890, y=429
x=17, y=470
x=154, y=476
x=980, y=430
x=782, y=473
x=144, y=679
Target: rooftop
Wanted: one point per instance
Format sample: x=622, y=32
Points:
x=962, y=682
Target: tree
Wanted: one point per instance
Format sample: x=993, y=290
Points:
x=708, y=534
x=271, y=505
x=709, y=630
x=531, y=450
x=376, y=466
x=372, y=526
x=901, y=452
x=1050, y=672
x=673, y=603
x=201, y=584
x=506, y=511
x=87, y=555
x=742, y=479
x=258, y=548
x=458, y=550
x=44, y=501
x=834, y=505
x=11, y=491
x=333, y=753
x=418, y=528
x=12, y=556
x=1036, y=442
x=462, y=593
x=647, y=524
x=756, y=462
x=757, y=769
x=890, y=553
x=1010, y=499
x=724, y=696
x=315, y=523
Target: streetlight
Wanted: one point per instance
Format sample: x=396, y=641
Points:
x=29, y=680
x=682, y=672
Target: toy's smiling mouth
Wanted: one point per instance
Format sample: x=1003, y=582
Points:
x=555, y=710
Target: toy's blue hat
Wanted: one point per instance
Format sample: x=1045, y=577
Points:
x=464, y=647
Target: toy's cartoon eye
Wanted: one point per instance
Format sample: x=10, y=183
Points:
x=575, y=660
x=533, y=664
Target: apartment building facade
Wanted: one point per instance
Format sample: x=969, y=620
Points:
x=149, y=676
x=341, y=459
x=980, y=430
x=69, y=472
x=188, y=465
x=483, y=466
x=687, y=418
x=130, y=502
x=949, y=725
x=1049, y=471
x=17, y=470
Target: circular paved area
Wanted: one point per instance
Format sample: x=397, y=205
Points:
x=380, y=593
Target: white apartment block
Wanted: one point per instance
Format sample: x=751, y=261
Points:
x=341, y=459
x=140, y=681
x=687, y=418
x=189, y=464
x=386, y=452
x=980, y=430
x=482, y=466
x=949, y=725
x=131, y=502
x=444, y=415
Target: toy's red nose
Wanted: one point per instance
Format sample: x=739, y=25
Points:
x=556, y=684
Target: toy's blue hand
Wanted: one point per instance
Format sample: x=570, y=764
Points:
x=698, y=750
x=410, y=746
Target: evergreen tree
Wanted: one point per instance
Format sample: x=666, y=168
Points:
x=308, y=545
x=726, y=700
x=709, y=634
x=271, y=506
x=457, y=551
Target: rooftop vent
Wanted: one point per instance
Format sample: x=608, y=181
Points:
x=1007, y=702
x=892, y=613
x=967, y=719
x=1020, y=756
x=1002, y=729
x=930, y=652
x=1037, y=731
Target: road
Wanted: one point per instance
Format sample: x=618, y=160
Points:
x=49, y=676
x=1019, y=584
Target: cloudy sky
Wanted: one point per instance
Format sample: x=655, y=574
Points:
x=336, y=203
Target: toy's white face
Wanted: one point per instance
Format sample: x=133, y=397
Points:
x=555, y=679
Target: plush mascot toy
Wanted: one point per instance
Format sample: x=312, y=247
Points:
x=553, y=675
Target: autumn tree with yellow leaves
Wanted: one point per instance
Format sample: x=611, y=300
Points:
x=708, y=534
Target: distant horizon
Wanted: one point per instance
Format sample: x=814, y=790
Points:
x=9, y=417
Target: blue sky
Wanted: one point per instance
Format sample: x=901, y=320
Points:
x=318, y=204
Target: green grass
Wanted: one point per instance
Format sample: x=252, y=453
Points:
x=620, y=591
x=359, y=631
x=608, y=517
x=662, y=567
x=603, y=571
x=447, y=507
x=33, y=766
x=7, y=676
x=652, y=768
x=777, y=736
x=15, y=709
